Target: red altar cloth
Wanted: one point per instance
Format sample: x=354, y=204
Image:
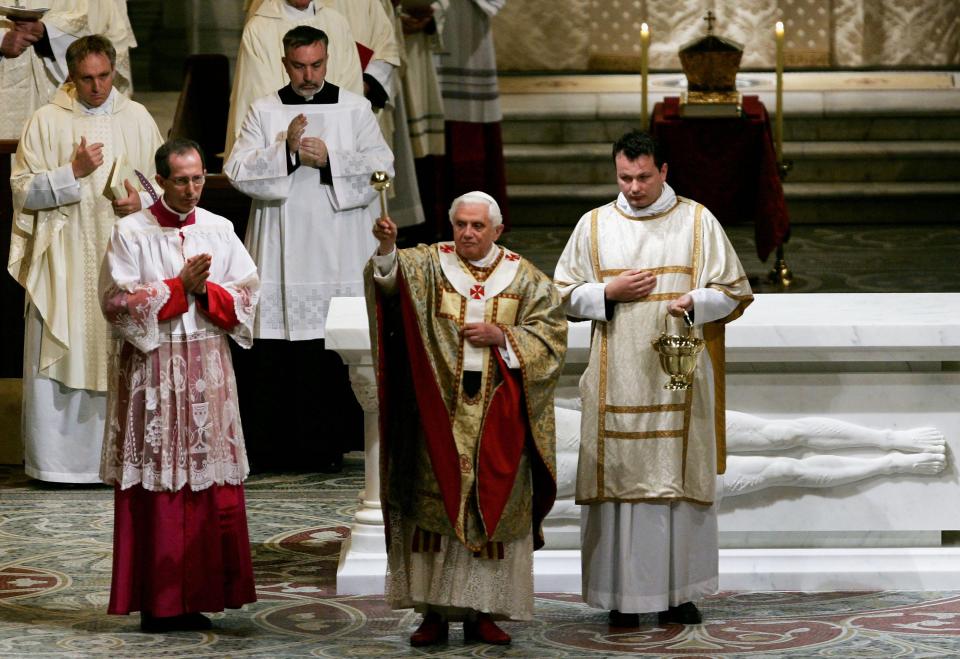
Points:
x=728, y=165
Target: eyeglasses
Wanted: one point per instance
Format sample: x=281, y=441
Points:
x=182, y=181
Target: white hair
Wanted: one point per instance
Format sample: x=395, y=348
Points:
x=477, y=197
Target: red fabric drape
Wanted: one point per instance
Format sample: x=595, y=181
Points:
x=728, y=165
x=437, y=429
x=180, y=552
x=504, y=436
x=475, y=162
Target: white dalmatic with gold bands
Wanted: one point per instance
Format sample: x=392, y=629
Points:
x=641, y=443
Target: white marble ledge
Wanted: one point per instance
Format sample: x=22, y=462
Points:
x=847, y=326
x=776, y=327
x=347, y=333
x=346, y=330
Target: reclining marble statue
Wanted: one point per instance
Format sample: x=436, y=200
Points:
x=753, y=441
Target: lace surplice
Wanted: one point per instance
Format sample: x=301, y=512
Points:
x=172, y=417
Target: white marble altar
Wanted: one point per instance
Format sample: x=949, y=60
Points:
x=877, y=360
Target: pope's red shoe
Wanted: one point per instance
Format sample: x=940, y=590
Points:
x=431, y=631
x=485, y=630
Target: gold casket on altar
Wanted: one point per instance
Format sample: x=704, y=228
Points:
x=710, y=64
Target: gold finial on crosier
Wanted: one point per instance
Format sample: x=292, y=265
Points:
x=380, y=181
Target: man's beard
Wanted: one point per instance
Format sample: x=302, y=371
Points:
x=307, y=90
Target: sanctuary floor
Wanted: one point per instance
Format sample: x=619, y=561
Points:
x=55, y=554
x=55, y=541
x=824, y=258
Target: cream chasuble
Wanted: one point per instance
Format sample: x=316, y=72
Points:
x=421, y=93
x=29, y=81
x=446, y=294
x=55, y=253
x=372, y=24
x=259, y=68
x=639, y=441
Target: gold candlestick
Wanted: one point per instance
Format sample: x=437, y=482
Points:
x=380, y=182
x=644, y=66
x=778, y=124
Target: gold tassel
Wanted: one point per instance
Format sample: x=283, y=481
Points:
x=491, y=550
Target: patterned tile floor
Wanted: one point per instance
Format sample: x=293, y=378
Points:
x=55, y=574
x=55, y=541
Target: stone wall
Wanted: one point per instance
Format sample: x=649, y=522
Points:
x=602, y=35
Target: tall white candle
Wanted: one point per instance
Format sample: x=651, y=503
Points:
x=778, y=125
x=644, y=66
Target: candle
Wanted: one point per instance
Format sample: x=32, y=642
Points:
x=778, y=126
x=644, y=63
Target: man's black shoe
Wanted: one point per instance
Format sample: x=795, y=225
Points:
x=684, y=614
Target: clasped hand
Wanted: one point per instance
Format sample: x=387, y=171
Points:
x=312, y=150
x=416, y=20
x=480, y=335
x=195, y=272
x=681, y=304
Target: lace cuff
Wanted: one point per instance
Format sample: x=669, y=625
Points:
x=135, y=314
x=245, y=295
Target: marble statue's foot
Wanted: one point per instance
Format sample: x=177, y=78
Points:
x=918, y=463
x=918, y=440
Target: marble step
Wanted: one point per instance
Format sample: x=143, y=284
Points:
x=605, y=128
x=879, y=161
x=808, y=203
x=846, y=161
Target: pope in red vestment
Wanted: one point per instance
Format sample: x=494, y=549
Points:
x=469, y=339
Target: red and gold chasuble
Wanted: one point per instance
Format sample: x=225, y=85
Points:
x=468, y=443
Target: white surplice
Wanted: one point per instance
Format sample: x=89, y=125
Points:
x=310, y=239
x=259, y=69
x=372, y=24
x=173, y=415
x=421, y=94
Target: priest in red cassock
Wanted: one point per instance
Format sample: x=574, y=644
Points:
x=174, y=284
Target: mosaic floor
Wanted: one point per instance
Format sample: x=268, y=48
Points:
x=55, y=573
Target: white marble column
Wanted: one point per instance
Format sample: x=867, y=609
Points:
x=363, y=557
